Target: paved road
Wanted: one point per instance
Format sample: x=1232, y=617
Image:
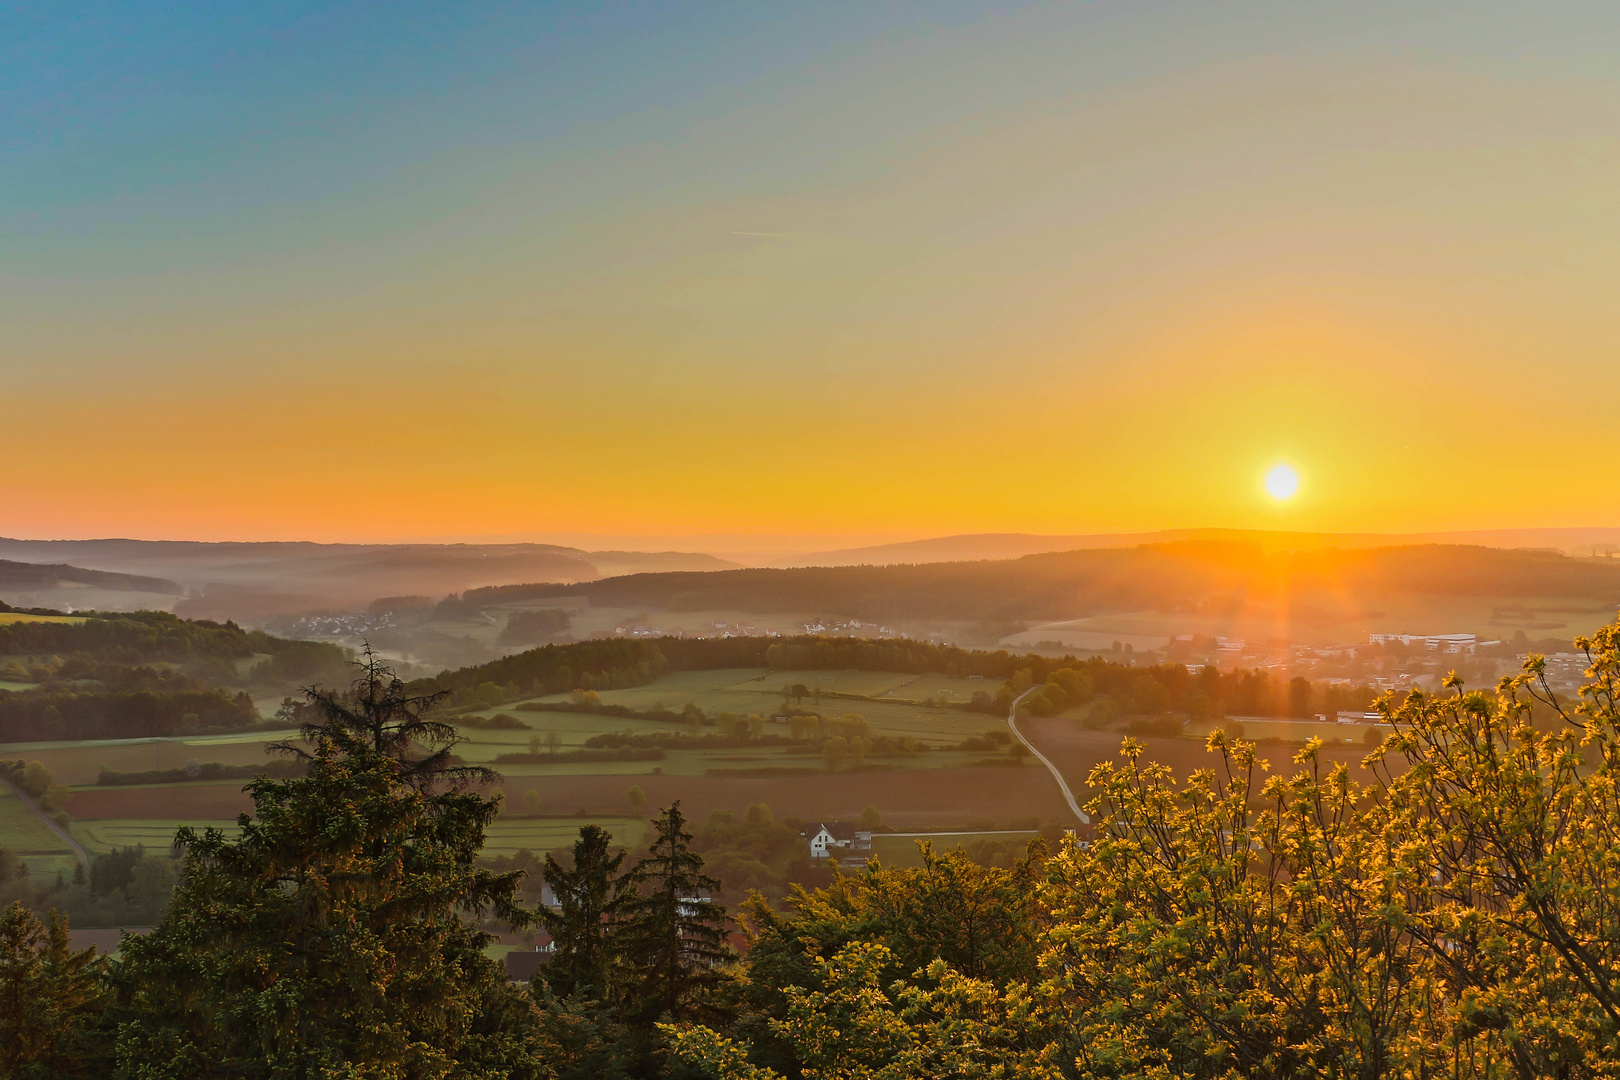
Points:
x=1063, y=785
x=50, y=823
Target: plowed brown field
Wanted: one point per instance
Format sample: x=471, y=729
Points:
x=181, y=802
x=1075, y=751
x=908, y=799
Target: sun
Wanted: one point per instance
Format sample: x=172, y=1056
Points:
x=1282, y=482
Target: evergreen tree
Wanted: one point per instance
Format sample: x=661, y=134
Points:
x=590, y=900
x=674, y=935
x=329, y=938
x=49, y=998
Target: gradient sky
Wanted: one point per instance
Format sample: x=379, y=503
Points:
x=391, y=270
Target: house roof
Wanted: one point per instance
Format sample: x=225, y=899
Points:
x=839, y=830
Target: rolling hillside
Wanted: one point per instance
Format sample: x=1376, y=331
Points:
x=1318, y=587
x=1016, y=545
x=251, y=580
x=21, y=577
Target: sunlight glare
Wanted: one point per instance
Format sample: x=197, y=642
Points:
x=1282, y=482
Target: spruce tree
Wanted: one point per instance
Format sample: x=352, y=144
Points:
x=674, y=934
x=50, y=998
x=590, y=900
x=331, y=937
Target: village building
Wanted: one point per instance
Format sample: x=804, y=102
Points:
x=838, y=839
x=1451, y=643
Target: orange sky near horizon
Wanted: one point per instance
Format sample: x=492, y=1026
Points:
x=972, y=275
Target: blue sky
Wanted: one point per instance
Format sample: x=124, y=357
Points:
x=636, y=226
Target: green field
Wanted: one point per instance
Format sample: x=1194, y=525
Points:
x=79, y=763
x=18, y=616
x=29, y=837
x=894, y=711
x=102, y=834
x=574, y=793
x=509, y=833
x=247, y=737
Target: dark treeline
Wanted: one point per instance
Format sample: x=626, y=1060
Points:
x=613, y=664
x=128, y=886
x=146, y=636
x=121, y=714
x=608, y=665
x=555, y=669
x=1157, y=576
x=531, y=627
x=1173, y=688
x=502, y=594
x=206, y=770
x=19, y=576
x=145, y=673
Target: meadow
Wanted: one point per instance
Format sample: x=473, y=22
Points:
x=156, y=834
x=78, y=763
x=935, y=789
x=544, y=803
x=890, y=702
x=25, y=834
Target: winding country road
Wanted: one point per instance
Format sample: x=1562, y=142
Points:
x=1063, y=785
x=78, y=849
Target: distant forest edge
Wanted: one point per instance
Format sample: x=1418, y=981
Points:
x=1066, y=681
x=146, y=673
x=32, y=576
x=1072, y=583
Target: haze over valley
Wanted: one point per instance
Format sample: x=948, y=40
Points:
x=892, y=541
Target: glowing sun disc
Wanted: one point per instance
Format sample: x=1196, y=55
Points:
x=1282, y=482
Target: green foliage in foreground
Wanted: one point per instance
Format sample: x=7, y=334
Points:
x=1457, y=914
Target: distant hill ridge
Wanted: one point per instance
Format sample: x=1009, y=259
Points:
x=26, y=577
x=1184, y=575
x=250, y=579
x=976, y=546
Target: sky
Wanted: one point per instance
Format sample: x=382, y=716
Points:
x=863, y=271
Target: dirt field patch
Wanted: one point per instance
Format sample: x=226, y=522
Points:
x=913, y=799
x=176, y=802
x=1075, y=751
x=80, y=764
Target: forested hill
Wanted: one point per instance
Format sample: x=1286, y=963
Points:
x=21, y=576
x=138, y=637
x=619, y=662
x=145, y=673
x=1163, y=576
x=616, y=664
